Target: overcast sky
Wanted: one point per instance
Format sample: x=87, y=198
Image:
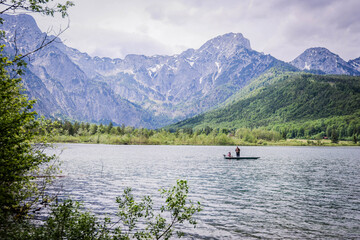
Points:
x=282, y=28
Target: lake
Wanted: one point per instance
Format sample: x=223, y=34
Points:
x=290, y=192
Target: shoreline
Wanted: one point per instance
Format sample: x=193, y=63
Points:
x=110, y=140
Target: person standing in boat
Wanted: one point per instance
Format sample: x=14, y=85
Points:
x=237, y=150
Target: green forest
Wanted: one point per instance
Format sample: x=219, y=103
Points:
x=297, y=105
x=309, y=133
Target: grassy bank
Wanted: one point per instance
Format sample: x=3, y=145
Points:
x=67, y=132
x=172, y=139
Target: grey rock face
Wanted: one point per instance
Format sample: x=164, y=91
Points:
x=321, y=59
x=61, y=88
x=184, y=84
x=355, y=64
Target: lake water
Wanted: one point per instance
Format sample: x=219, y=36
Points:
x=290, y=192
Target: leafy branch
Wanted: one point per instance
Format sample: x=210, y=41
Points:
x=38, y=6
x=133, y=214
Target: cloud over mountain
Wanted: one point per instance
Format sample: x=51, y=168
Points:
x=282, y=28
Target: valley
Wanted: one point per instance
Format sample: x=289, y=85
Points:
x=155, y=91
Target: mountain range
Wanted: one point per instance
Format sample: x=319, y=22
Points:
x=147, y=91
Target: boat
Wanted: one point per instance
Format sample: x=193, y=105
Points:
x=240, y=158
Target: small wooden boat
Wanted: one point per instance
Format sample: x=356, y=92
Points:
x=240, y=158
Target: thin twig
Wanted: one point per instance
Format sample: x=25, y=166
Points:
x=14, y=6
x=43, y=44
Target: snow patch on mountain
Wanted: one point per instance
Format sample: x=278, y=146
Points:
x=218, y=67
x=321, y=59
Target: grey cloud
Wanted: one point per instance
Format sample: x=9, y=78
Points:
x=330, y=24
x=283, y=28
x=106, y=43
x=303, y=5
x=130, y=44
x=176, y=15
x=156, y=12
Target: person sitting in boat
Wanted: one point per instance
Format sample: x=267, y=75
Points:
x=229, y=154
x=237, y=151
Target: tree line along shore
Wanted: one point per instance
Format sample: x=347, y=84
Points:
x=296, y=135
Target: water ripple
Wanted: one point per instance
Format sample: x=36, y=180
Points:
x=290, y=192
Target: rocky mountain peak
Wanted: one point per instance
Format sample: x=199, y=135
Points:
x=229, y=41
x=321, y=59
x=312, y=55
x=22, y=21
x=23, y=29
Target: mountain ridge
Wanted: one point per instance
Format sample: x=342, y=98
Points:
x=320, y=58
x=289, y=98
x=142, y=91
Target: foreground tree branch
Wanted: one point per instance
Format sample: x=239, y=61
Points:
x=20, y=160
x=37, y=6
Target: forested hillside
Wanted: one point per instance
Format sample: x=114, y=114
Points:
x=292, y=103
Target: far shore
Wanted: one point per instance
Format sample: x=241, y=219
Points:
x=111, y=140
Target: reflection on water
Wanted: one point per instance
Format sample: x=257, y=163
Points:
x=290, y=192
